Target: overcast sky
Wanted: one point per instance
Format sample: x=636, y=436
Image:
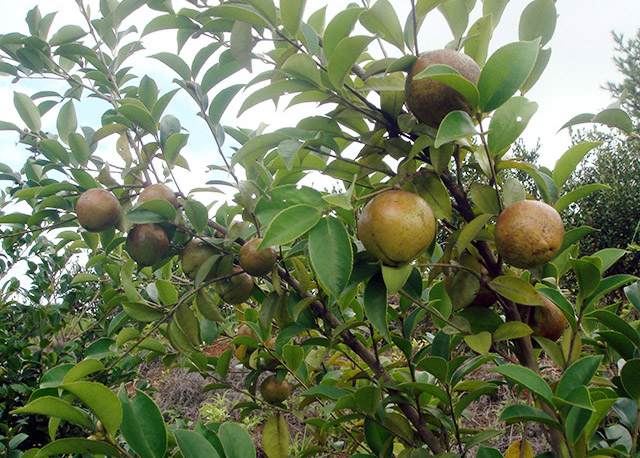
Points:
x=581, y=62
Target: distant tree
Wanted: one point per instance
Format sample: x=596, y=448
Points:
x=615, y=212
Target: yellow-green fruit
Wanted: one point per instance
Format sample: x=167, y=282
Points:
x=147, y=244
x=546, y=320
x=396, y=227
x=273, y=391
x=430, y=100
x=194, y=255
x=97, y=210
x=257, y=263
x=235, y=289
x=529, y=233
x=159, y=191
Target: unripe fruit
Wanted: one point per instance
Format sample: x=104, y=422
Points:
x=147, y=244
x=97, y=210
x=236, y=289
x=430, y=100
x=529, y=233
x=273, y=391
x=159, y=191
x=194, y=255
x=396, y=227
x=257, y=263
x=546, y=320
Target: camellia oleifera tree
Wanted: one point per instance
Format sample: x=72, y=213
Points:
x=345, y=296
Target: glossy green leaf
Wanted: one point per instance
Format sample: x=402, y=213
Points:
x=577, y=194
x=175, y=63
x=511, y=330
x=238, y=12
x=520, y=412
x=615, y=323
x=470, y=230
x=432, y=189
x=143, y=427
x=516, y=289
x=615, y=117
x=302, y=66
x=291, y=12
x=57, y=408
x=480, y=34
x=290, y=224
x=197, y=215
x=395, y=277
x=538, y=20
x=79, y=148
x=193, y=445
x=375, y=305
x=242, y=44
x=579, y=373
x=166, y=22
x=632, y=293
x=236, y=441
x=344, y=57
x=67, y=123
x=526, y=378
x=188, y=323
x=221, y=101
x=208, y=307
x=27, y=110
x=454, y=126
x=339, y=28
x=288, y=151
x=381, y=19
x=331, y=254
x=275, y=437
x=67, y=34
x=82, y=447
x=142, y=312
x=629, y=376
x=480, y=343
x=588, y=275
x=82, y=369
x=456, y=12
x=609, y=284
x=508, y=123
x=166, y=291
x=84, y=277
x=452, y=78
x=101, y=400
x=256, y=147
x=544, y=55
x=505, y=71
x=173, y=146
x=368, y=399
x=177, y=337
x=569, y=161
x=608, y=256
x=125, y=335
x=139, y=116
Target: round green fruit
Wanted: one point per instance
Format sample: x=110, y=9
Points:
x=159, y=191
x=257, y=263
x=194, y=255
x=396, y=227
x=97, y=210
x=546, y=320
x=430, y=100
x=147, y=244
x=273, y=391
x=529, y=233
x=235, y=289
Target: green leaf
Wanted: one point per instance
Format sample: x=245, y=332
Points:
x=396, y=277
x=344, y=57
x=293, y=355
x=452, y=78
x=143, y=427
x=615, y=117
x=288, y=150
x=516, y=289
x=173, y=146
x=583, y=191
x=614, y=322
x=273, y=92
x=188, y=323
x=140, y=116
x=382, y=20
x=511, y=330
x=588, y=275
x=221, y=101
x=168, y=21
x=538, y=20
x=208, y=307
x=256, y=147
x=480, y=33
x=505, y=71
x=101, y=400
x=480, y=343
x=432, y=189
x=470, y=230
x=237, y=12
x=375, y=305
x=455, y=125
x=67, y=34
x=290, y=224
x=526, y=378
x=57, y=408
x=67, y=122
x=242, y=44
x=331, y=254
x=609, y=284
x=508, y=122
x=236, y=441
x=142, y=312
x=79, y=148
x=569, y=160
x=28, y=111
x=629, y=376
x=608, y=256
x=82, y=369
x=544, y=55
x=197, y=215
x=302, y=66
x=275, y=437
x=193, y=445
x=579, y=373
x=291, y=12
x=84, y=277
x=368, y=399
x=456, y=12
x=520, y=412
x=82, y=447
x=339, y=28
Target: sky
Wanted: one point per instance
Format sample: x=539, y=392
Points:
x=581, y=62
